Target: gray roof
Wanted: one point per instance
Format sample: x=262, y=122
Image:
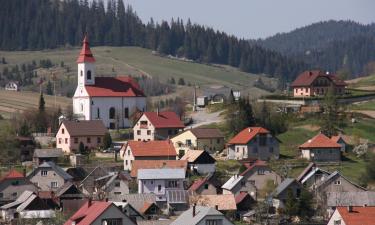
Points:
x=337, y=173
x=312, y=172
x=163, y=173
x=21, y=199
x=154, y=222
x=351, y=198
x=135, y=200
x=283, y=186
x=217, y=90
x=177, y=196
x=48, y=153
x=232, y=182
x=54, y=167
x=187, y=218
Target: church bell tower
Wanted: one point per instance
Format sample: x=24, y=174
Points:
x=86, y=65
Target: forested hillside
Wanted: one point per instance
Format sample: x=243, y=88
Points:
x=41, y=24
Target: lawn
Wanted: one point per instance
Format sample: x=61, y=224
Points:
x=368, y=105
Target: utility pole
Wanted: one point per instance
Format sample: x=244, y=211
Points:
x=54, y=87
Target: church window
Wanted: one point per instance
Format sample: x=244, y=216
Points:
x=112, y=112
x=98, y=113
x=81, y=73
x=81, y=107
x=88, y=74
x=126, y=112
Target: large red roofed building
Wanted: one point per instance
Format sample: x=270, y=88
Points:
x=321, y=149
x=254, y=143
x=111, y=99
x=157, y=126
x=317, y=83
x=362, y=215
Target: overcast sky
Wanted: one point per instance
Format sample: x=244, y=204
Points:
x=255, y=18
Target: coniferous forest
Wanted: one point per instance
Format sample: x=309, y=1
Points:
x=41, y=24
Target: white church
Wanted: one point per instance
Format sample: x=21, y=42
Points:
x=111, y=99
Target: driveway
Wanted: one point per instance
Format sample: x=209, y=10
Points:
x=202, y=117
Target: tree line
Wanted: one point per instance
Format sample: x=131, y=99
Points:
x=41, y=24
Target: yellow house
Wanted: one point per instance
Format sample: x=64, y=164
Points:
x=209, y=139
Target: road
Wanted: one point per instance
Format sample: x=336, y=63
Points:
x=202, y=117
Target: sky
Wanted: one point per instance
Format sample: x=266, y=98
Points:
x=252, y=19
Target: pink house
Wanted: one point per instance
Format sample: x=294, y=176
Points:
x=72, y=133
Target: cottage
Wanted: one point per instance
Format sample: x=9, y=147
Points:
x=69, y=198
x=27, y=206
x=150, y=150
x=208, y=185
x=353, y=216
x=281, y=192
x=143, y=203
x=94, y=180
x=111, y=99
x=130, y=211
x=208, y=139
x=223, y=203
x=72, y=133
x=157, y=164
x=321, y=149
x=253, y=142
x=317, y=83
x=49, y=177
x=200, y=161
x=157, y=126
x=341, y=141
x=218, y=94
x=45, y=155
x=160, y=181
x=198, y=215
x=95, y=212
x=244, y=202
x=12, y=185
x=117, y=184
x=11, y=86
x=312, y=176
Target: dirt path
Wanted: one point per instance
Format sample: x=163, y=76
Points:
x=202, y=117
x=370, y=113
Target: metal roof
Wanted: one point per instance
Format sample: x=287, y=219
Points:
x=201, y=212
x=232, y=182
x=158, y=174
x=56, y=168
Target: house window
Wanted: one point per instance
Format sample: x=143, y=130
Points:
x=206, y=186
x=112, y=113
x=188, y=142
x=126, y=112
x=98, y=113
x=117, y=193
x=66, y=140
x=159, y=188
x=138, y=132
x=337, y=182
x=214, y=222
x=337, y=222
x=81, y=73
x=181, y=153
x=260, y=171
x=111, y=125
x=1, y=195
x=54, y=184
x=75, y=140
x=238, y=149
x=148, y=132
x=88, y=74
x=129, y=152
x=43, y=173
x=252, y=182
x=99, y=140
x=117, y=184
x=63, y=131
x=88, y=140
x=14, y=194
x=59, y=140
x=172, y=184
x=112, y=221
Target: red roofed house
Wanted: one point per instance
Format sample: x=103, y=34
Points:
x=363, y=215
x=316, y=83
x=111, y=99
x=150, y=150
x=321, y=148
x=253, y=142
x=157, y=126
x=97, y=213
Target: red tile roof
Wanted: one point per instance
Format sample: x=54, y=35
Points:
x=145, y=207
x=359, y=215
x=152, y=148
x=85, y=55
x=156, y=164
x=121, y=86
x=197, y=184
x=254, y=165
x=307, y=78
x=166, y=119
x=13, y=174
x=320, y=141
x=337, y=138
x=247, y=135
x=240, y=197
x=87, y=215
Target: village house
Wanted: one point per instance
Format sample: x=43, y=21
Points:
x=49, y=177
x=202, y=215
x=11, y=86
x=317, y=83
x=144, y=203
x=157, y=164
x=208, y=139
x=96, y=178
x=12, y=185
x=88, y=132
x=157, y=126
x=27, y=206
x=69, y=198
x=130, y=211
x=224, y=203
x=253, y=142
x=321, y=149
x=353, y=216
x=150, y=150
x=160, y=181
x=218, y=94
x=117, y=184
x=312, y=176
x=279, y=196
x=111, y=99
x=200, y=161
x=98, y=213
x=45, y=155
x=208, y=185
x=244, y=203
x=341, y=141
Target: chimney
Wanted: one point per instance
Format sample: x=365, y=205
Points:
x=350, y=208
x=89, y=203
x=217, y=207
x=194, y=206
x=249, y=130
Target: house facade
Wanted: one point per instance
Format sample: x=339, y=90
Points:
x=280, y=194
x=200, y=161
x=49, y=177
x=157, y=126
x=160, y=181
x=88, y=132
x=111, y=99
x=253, y=142
x=317, y=83
x=208, y=139
x=321, y=149
x=117, y=185
x=150, y=150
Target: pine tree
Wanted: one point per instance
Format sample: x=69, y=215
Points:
x=291, y=204
x=107, y=141
x=181, y=81
x=41, y=103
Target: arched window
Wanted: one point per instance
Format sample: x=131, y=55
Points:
x=88, y=74
x=81, y=73
x=112, y=113
x=81, y=107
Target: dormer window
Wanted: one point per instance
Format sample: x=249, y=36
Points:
x=88, y=74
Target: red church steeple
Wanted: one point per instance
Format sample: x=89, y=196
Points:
x=85, y=55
